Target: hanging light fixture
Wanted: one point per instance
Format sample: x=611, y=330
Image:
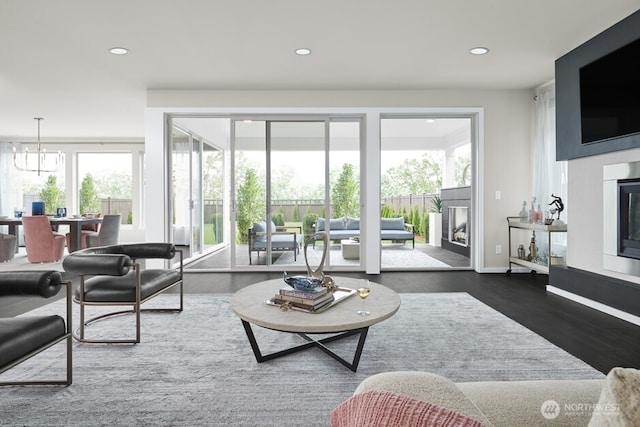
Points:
x=43, y=163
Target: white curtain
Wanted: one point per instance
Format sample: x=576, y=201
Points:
x=10, y=180
x=550, y=176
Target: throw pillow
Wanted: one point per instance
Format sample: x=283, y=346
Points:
x=392, y=223
x=260, y=228
x=320, y=224
x=353, y=223
x=383, y=408
x=619, y=403
x=337, y=224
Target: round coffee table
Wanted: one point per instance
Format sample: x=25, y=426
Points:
x=249, y=304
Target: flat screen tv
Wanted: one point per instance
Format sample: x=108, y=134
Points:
x=610, y=95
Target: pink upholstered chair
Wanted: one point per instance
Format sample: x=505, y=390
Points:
x=42, y=244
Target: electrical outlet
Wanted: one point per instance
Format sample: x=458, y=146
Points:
x=498, y=195
x=498, y=249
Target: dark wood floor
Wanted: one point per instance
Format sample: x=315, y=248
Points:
x=600, y=340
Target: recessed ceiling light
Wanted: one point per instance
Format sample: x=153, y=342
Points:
x=119, y=50
x=430, y=120
x=479, y=51
x=303, y=51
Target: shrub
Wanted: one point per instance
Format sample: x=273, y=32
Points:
x=218, y=227
x=277, y=218
x=308, y=224
x=387, y=212
x=425, y=226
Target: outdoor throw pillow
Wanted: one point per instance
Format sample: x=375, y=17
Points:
x=260, y=228
x=619, y=403
x=320, y=224
x=392, y=223
x=336, y=224
x=383, y=408
x=353, y=223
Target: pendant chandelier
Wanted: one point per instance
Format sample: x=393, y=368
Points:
x=43, y=162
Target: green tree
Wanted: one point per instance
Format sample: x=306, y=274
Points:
x=89, y=200
x=251, y=203
x=52, y=195
x=213, y=175
x=116, y=185
x=345, y=193
x=296, y=213
x=413, y=176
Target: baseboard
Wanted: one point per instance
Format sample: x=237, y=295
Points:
x=595, y=305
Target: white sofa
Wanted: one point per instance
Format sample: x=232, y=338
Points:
x=614, y=401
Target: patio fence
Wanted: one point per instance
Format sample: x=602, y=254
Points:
x=424, y=203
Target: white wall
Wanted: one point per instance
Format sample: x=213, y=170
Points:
x=585, y=206
x=504, y=162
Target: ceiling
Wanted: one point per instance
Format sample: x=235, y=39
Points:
x=54, y=59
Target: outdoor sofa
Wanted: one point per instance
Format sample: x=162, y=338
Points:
x=421, y=398
x=394, y=229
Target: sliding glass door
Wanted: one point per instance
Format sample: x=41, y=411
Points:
x=292, y=176
x=280, y=169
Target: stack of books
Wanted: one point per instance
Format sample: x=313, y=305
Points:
x=309, y=300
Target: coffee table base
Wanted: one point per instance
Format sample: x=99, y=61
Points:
x=353, y=365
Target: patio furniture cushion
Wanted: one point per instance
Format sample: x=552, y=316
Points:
x=260, y=229
x=334, y=224
x=395, y=235
x=353, y=223
x=392, y=223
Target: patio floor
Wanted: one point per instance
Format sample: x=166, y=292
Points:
x=442, y=258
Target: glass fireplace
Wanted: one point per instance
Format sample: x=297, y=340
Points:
x=458, y=217
x=621, y=217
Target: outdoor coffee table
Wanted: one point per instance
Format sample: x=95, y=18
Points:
x=350, y=249
x=249, y=304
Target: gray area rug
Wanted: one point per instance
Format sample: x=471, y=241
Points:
x=196, y=368
x=395, y=256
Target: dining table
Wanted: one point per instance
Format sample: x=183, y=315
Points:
x=75, y=227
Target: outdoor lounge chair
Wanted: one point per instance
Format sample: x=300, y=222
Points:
x=23, y=337
x=281, y=239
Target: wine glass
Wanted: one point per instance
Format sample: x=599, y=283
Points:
x=363, y=292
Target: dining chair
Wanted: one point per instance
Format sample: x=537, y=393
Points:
x=41, y=243
x=7, y=247
x=108, y=233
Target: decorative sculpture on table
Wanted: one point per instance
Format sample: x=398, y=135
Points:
x=558, y=207
x=314, y=277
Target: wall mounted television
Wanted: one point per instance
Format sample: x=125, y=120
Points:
x=598, y=93
x=610, y=95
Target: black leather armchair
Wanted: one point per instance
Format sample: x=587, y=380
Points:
x=23, y=337
x=113, y=276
